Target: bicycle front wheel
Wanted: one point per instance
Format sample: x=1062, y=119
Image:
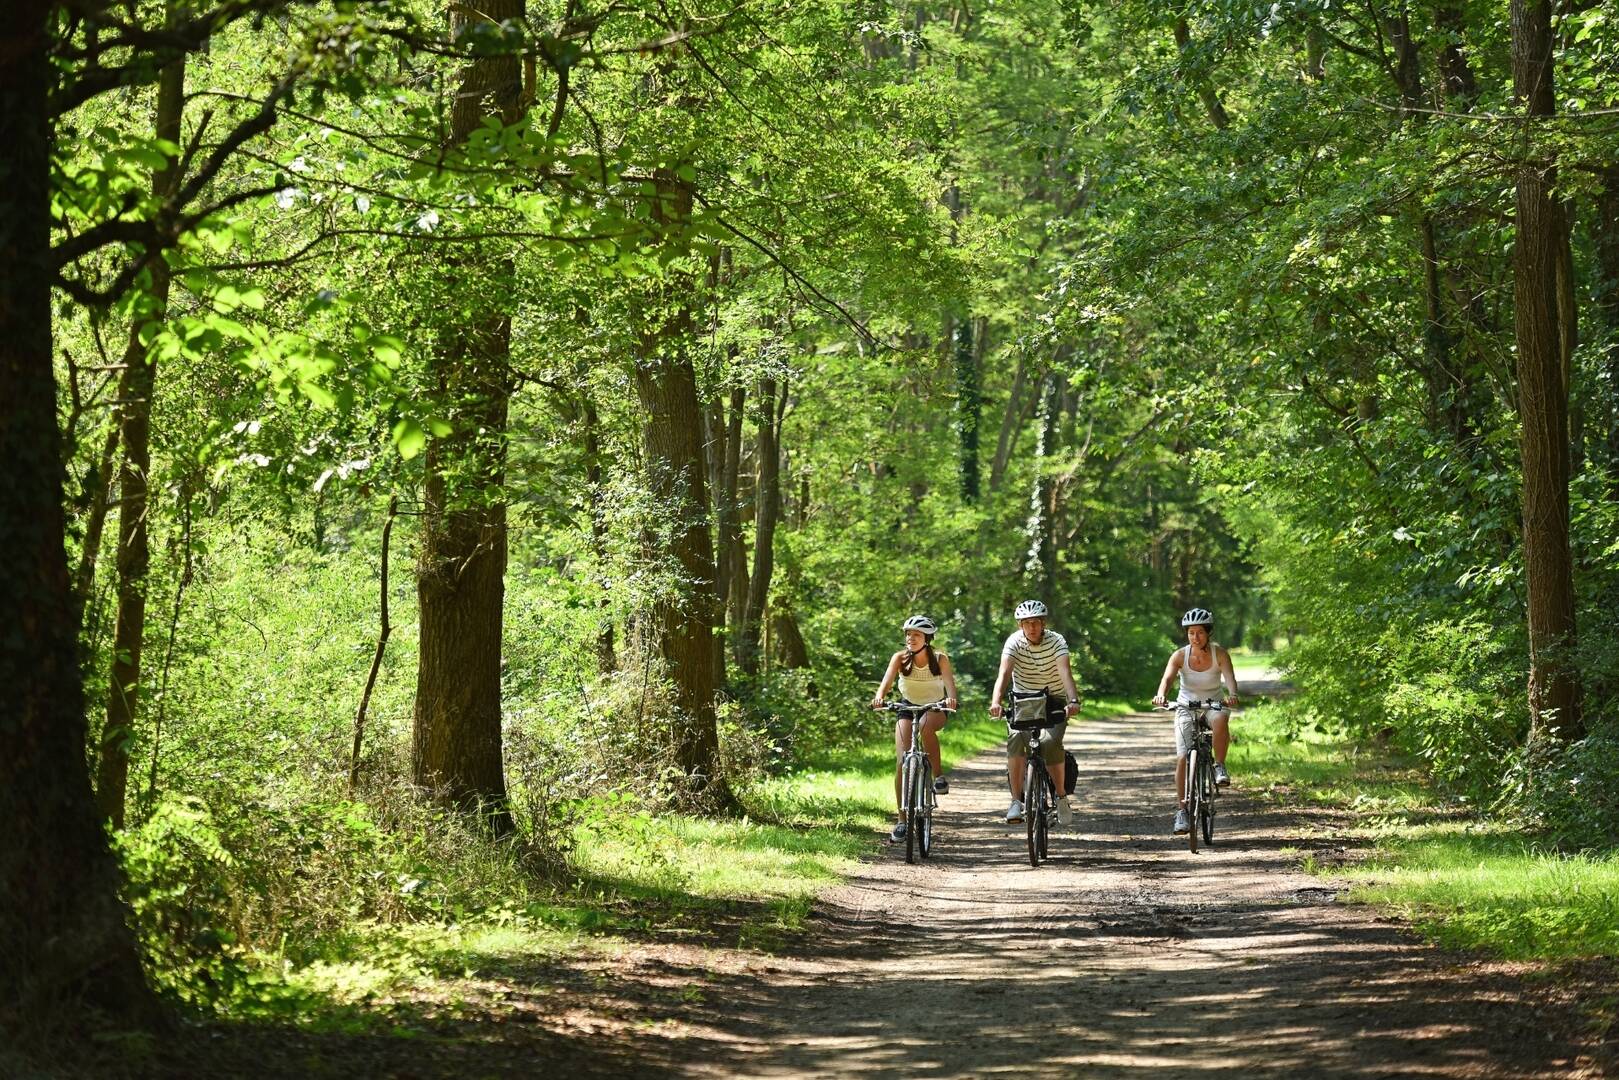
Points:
x=1206, y=803
x=924, y=814
x=1034, y=809
x=909, y=790
x=1194, y=800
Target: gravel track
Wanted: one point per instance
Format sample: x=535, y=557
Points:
x=1125, y=956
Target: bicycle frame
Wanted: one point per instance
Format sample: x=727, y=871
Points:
x=917, y=800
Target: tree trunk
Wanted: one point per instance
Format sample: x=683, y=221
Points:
x=666, y=386
x=1554, y=697
x=606, y=654
x=1198, y=78
x=67, y=942
x=766, y=514
x=1605, y=231
x=456, y=747
x=734, y=551
x=137, y=388
x=1041, y=566
x=1010, y=418
x=968, y=408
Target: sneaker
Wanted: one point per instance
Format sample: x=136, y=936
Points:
x=899, y=832
x=941, y=786
x=1065, y=811
x=1014, y=813
x=1221, y=777
x=1181, y=824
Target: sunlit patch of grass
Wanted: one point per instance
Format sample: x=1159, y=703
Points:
x=1296, y=765
x=1462, y=881
x=1468, y=886
x=1253, y=664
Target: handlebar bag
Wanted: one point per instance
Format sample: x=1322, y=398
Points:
x=1029, y=710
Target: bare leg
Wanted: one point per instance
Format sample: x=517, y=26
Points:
x=930, y=740
x=1059, y=775
x=1014, y=775
x=1180, y=781
x=1222, y=737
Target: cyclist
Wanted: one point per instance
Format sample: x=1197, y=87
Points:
x=1036, y=659
x=1202, y=666
x=924, y=677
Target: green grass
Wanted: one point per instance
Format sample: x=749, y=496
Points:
x=1462, y=881
x=1486, y=888
x=1249, y=663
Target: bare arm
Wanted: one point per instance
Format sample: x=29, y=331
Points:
x=1000, y=686
x=888, y=680
x=949, y=675
x=1066, y=670
x=1230, y=676
x=1174, y=665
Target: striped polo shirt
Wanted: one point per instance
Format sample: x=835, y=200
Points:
x=1034, y=667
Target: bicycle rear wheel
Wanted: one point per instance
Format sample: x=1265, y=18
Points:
x=908, y=789
x=923, y=800
x=1034, y=812
x=1193, y=800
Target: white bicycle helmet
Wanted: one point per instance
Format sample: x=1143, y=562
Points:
x=922, y=623
x=1030, y=609
x=1198, y=617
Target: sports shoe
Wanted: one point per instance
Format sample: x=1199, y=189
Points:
x=899, y=832
x=1065, y=811
x=1014, y=813
x=1221, y=777
x=941, y=786
x=1181, y=824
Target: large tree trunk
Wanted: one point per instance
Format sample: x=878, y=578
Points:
x=766, y=513
x=136, y=392
x=1554, y=696
x=63, y=927
x=460, y=580
x=666, y=385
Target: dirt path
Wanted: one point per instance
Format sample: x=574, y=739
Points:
x=1126, y=956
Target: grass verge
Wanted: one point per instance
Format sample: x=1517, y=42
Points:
x=1464, y=881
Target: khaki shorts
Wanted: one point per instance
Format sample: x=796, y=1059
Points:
x=1017, y=744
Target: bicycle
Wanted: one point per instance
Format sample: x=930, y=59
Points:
x=1039, y=790
x=916, y=796
x=1201, y=790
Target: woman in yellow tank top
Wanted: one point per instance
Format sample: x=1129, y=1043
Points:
x=925, y=677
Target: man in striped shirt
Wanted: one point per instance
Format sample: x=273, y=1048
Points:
x=1036, y=660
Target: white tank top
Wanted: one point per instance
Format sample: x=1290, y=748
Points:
x=1199, y=685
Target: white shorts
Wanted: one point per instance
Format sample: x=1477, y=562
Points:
x=1184, y=725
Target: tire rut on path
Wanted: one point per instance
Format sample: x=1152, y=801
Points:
x=1124, y=956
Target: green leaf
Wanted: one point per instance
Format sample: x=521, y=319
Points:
x=409, y=438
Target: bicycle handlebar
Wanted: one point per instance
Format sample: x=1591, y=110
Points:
x=1206, y=703
x=900, y=706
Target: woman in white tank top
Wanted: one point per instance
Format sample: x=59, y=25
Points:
x=1203, y=667
x=925, y=678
